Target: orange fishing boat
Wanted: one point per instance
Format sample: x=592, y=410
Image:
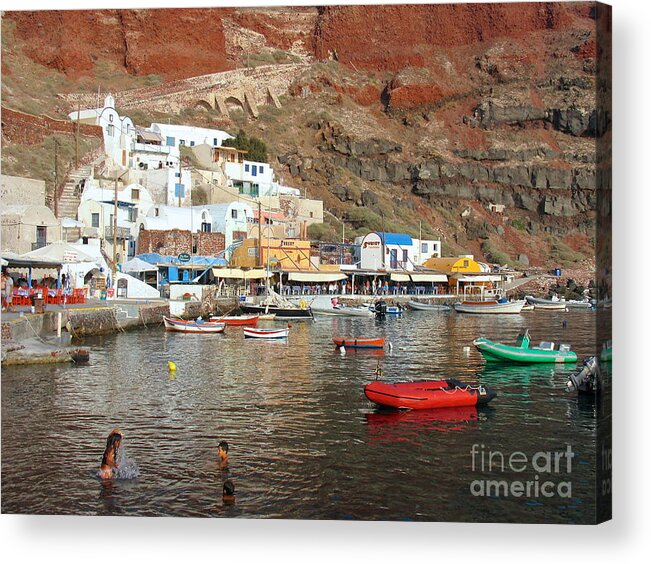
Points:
x=359, y=342
x=238, y=320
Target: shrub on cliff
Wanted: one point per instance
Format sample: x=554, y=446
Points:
x=256, y=148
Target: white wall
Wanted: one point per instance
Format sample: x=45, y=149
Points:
x=192, y=136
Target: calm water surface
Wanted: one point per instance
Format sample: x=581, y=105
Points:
x=305, y=442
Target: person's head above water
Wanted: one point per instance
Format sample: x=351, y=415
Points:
x=228, y=495
x=113, y=443
x=222, y=451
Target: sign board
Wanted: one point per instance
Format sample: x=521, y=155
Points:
x=184, y=257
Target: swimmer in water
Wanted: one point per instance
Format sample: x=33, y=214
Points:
x=228, y=496
x=113, y=443
x=222, y=452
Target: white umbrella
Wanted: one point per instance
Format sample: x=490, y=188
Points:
x=138, y=265
x=59, y=252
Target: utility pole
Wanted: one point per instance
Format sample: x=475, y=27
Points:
x=420, y=242
x=77, y=137
x=259, y=233
x=384, y=248
x=180, y=176
x=55, y=195
x=115, y=227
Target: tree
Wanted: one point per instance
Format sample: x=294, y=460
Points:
x=256, y=148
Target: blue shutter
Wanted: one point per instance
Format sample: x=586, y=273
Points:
x=255, y=170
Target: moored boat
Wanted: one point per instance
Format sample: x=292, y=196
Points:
x=266, y=333
x=274, y=303
x=493, y=307
x=348, y=311
x=427, y=394
x=554, y=306
x=421, y=306
x=521, y=353
x=359, y=343
x=250, y=320
x=198, y=326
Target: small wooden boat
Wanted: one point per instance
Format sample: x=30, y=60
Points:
x=266, y=333
x=427, y=394
x=555, y=306
x=359, y=343
x=521, y=353
x=421, y=306
x=251, y=320
x=198, y=326
x=492, y=306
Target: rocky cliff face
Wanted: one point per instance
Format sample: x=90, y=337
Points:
x=425, y=110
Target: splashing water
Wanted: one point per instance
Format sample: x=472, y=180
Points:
x=127, y=469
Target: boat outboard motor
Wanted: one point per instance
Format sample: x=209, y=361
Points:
x=585, y=380
x=380, y=308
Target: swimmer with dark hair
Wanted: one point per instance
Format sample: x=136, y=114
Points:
x=109, y=459
x=222, y=452
x=229, y=492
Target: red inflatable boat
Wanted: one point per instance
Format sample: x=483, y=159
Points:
x=427, y=394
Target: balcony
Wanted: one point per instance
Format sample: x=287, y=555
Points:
x=150, y=148
x=38, y=245
x=121, y=233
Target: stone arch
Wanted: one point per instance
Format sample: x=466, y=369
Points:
x=234, y=103
x=203, y=104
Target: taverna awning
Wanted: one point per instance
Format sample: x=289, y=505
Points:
x=239, y=274
x=478, y=278
x=316, y=276
x=418, y=277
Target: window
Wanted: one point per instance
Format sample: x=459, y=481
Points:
x=133, y=214
x=423, y=248
x=171, y=141
x=179, y=189
x=405, y=256
x=234, y=214
x=181, y=141
x=254, y=172
x=246, y=168
x=261, y=169
x=135, y=194
x=206, y=227
x=111, y=130
x=465, y=263
x=311, y=214
x=94, y=220
x=191, y=143
x=215, y=141
x=177, y=175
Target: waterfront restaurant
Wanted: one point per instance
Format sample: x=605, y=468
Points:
x=467, y=276
x=394, y=251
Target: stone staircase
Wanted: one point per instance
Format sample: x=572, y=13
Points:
x=70, y=199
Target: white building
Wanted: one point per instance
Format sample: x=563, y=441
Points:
x=195, y=219
x=119, y=131
x=232, y=220
x=28, y=227
x=401, y=252
x=178, y=135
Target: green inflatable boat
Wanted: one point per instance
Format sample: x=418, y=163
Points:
x=521, y=353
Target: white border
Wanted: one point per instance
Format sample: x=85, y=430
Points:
x=82, y=539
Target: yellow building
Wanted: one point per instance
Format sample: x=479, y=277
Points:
x=451, y=265
x=285, y=254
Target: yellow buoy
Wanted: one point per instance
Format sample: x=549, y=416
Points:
x=171, y=366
